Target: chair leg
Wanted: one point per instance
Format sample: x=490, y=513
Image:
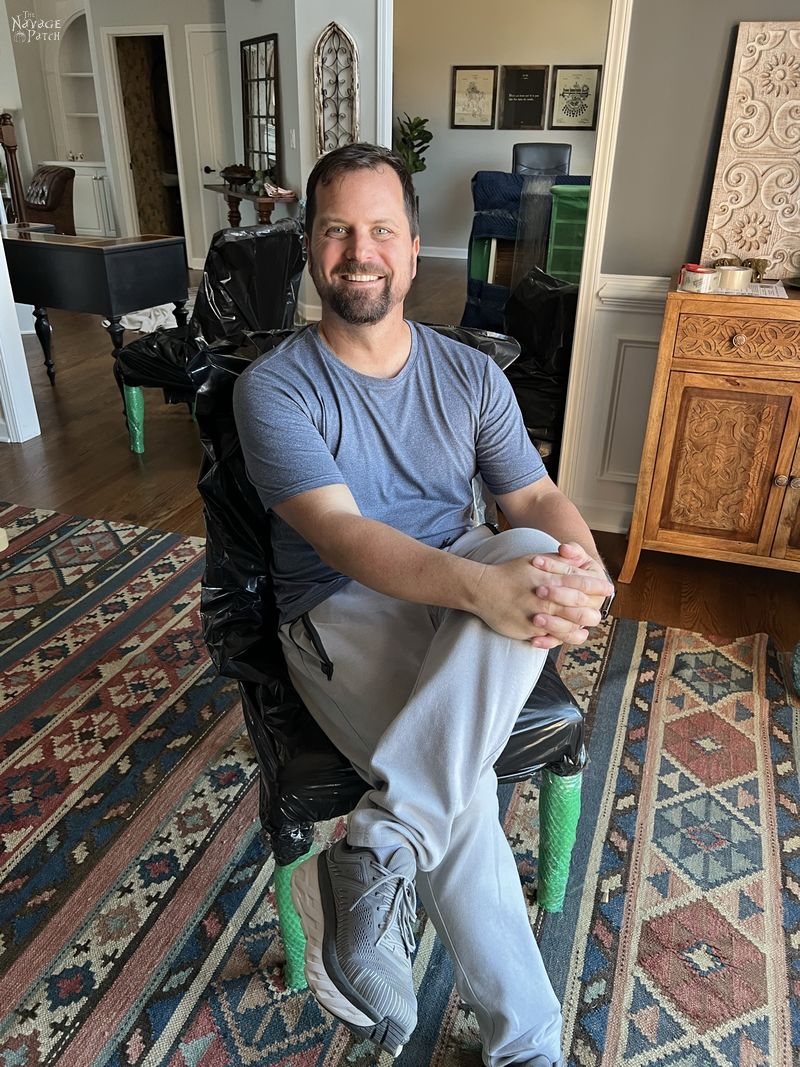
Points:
x=134, y=412
x=559, y=809
x=294, y=942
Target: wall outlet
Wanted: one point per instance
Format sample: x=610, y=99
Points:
x=292, y=139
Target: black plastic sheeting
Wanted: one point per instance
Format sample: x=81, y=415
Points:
x=304, y=779
x=251, y=280
x=540, y=314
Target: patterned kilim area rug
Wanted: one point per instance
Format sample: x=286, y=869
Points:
x=137, y=918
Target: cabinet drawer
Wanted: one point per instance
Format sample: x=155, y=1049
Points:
x=742, y=339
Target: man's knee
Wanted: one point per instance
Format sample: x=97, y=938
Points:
x=523, y=542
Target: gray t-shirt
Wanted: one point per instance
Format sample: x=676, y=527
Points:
x=407, y=447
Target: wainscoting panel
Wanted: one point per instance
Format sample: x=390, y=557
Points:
x=623, y=340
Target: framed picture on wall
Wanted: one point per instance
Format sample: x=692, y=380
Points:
x=523, y=97
x=473, y=98
x=574, y=98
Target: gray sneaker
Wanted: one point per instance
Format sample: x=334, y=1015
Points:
x=357, y=916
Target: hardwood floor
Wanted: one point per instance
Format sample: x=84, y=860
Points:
x=82, y=465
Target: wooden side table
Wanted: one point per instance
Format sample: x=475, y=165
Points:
x=720, y=471
x=264, y=204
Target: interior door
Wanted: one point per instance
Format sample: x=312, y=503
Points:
x=213, y=124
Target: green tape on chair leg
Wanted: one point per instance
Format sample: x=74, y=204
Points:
x=559, y=809
x=134, y=410
x=294, y=942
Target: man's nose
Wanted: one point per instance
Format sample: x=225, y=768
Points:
x=359, y=245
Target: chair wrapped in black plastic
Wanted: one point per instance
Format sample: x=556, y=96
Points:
x=251, y=280
x=304, y=779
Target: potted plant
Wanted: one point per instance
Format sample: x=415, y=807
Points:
x=411, y=141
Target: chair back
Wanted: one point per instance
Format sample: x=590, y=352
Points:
x=48, y=198
x=251, y=280
x=541, y=157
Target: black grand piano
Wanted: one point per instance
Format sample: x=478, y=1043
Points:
x=108, y=276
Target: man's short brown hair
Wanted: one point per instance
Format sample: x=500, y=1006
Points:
x=360, y=156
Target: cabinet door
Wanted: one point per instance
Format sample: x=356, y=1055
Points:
x=787, y=537
x=723, y=439
x=89, y=219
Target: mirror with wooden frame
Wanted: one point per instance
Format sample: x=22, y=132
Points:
x=261, y=105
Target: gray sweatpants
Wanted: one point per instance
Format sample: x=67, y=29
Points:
x=422, y=700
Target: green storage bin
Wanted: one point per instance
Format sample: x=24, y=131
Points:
x=567, y=231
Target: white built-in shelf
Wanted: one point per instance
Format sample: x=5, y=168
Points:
x=81, y=114
x=76, y=74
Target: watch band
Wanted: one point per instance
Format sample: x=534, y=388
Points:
x=605, y=607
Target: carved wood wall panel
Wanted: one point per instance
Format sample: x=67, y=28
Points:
x=745, y=339
x=724, y=446
x=336, y=88
x=755, y=200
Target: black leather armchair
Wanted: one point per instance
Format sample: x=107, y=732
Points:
x=304, y=779
x=48, y=198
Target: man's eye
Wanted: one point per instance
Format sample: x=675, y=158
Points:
x=382, y=231
x=336, y=231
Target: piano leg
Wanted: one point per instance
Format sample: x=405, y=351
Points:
x=180, y=312
x=116, y=332
x=44, y=332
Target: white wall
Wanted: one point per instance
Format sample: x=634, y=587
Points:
x=34, y=126
x=360, y=21
x=431, y=38
x=255, y=19
x=10, y=99
x=175, y=15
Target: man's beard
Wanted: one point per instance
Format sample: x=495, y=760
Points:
x=359, y=307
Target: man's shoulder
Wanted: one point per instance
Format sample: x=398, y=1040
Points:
x=445, y=342
x=282, y=362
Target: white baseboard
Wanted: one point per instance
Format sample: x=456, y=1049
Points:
x=616, y=519
x=437, y=252
x=25, y=318
x=309, y=312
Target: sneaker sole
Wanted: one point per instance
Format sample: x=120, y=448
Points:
x=307, y=898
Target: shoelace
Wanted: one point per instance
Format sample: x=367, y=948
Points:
x=402, y=905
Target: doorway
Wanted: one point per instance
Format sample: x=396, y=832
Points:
x=147, y=108
x=505, y=193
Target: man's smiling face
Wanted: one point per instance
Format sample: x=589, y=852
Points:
x=361, y=255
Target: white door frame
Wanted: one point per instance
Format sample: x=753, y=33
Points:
x=118, y=142
x=18, y=418
x=385, y=67
x=607, y=127
x=198, y=262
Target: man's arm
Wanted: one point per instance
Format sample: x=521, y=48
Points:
x=542, y=506
x=503, y=595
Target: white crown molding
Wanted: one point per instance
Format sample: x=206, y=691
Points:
x=626, y=292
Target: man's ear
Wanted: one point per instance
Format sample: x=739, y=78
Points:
x=415, y=252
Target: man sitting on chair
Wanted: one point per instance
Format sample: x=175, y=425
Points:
x=413, y=637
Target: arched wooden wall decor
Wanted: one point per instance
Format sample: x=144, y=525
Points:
x=336, y=88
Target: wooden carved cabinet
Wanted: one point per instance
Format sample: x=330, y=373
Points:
x=720, y=471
